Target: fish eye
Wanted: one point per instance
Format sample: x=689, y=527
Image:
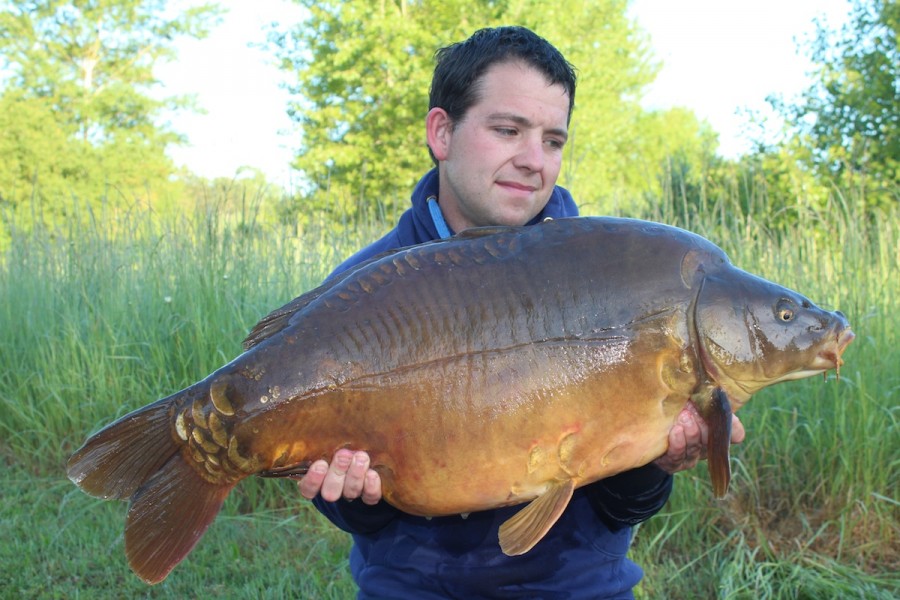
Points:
x=785, y=311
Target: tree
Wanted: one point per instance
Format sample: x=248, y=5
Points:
x=363, y=71
x=79, y=123
x=851, y=114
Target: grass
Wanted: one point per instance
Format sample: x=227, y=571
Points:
x=813, y=508
x=61, y=543
x=97, y=322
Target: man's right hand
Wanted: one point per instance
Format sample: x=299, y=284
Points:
x=347, y=476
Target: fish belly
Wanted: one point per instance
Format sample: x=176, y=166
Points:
x=496, y=428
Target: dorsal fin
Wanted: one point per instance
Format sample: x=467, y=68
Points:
x=523, y=530
x=280, y=318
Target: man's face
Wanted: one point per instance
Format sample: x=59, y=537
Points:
x=498, y=165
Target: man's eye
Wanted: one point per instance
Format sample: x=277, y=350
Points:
x=506, y=131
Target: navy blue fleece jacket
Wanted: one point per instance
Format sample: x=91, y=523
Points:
x=396, y=555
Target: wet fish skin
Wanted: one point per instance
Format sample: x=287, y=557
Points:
x=501, y=366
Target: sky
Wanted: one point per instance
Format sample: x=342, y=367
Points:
x=720, y=58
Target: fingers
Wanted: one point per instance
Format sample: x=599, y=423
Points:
x=696, y=434
x=685, y=443
x=372, y=488
x=348, y=476
x=312, y=481
x=737, y=430
x=336, y=476
x=688, y=439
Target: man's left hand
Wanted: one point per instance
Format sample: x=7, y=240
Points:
x=688, y=438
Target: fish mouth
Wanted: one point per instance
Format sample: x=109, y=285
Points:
x=830, y=358
x=825, y=360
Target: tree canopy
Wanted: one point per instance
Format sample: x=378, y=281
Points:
x=363, y=70
x=77, y=117
x=849, y=119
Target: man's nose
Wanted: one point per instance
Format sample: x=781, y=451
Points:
x=531, y=154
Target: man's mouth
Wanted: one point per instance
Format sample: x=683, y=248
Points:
x=519, y=187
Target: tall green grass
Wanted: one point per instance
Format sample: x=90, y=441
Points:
x=813, y=507
x=97, y=322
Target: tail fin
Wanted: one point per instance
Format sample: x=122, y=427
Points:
x=139, y=458
x=168, y=516
x=118, y=459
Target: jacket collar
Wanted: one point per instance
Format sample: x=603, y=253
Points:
x=424, y=229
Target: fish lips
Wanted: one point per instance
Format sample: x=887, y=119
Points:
x=831, y=357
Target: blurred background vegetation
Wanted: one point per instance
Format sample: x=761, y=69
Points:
x=81, y=126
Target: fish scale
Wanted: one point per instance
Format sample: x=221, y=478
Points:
x=501, y=366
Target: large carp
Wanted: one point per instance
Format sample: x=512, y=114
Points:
x=501, y=366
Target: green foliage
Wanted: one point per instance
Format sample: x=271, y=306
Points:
x=813, y=511
x=61, y=543
x=77, y=119
x=364, y=69
x=671, y=148
x=130, y=309
x=248, y=198
x=850, y=117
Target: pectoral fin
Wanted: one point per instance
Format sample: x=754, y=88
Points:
x=297, y=471
x=718, y=420
x=521, y=532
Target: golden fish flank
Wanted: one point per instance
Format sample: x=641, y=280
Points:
x=206, y=430
x=566, y=453
x=536, y=458
x=554, y=458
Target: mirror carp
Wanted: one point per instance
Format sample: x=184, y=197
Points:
x=505, y=365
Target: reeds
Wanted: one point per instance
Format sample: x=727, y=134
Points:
x=99, y=321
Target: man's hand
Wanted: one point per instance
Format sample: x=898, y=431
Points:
x=688, y=438
x=347, y=476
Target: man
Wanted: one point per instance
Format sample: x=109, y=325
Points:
x=499, y=113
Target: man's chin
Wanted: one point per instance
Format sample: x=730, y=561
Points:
x=520, y=218
x=515, y=212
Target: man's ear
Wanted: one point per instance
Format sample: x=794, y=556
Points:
x=439, y=129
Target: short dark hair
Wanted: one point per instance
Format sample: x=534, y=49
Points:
x=460, y=66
